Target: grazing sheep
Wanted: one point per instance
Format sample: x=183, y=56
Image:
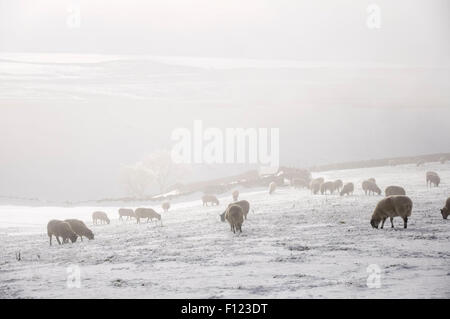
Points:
x=315, y=186
x=347, y=189
x=272, y=187
x=58, y=228
x=338, y=185
x=327, y=186
x=100, y=216
x=148, y=213
x=365, y=186
x=128, y=212
x=245, y=205
x=235, y=217
x=210, y=199
x=392, y=206
x=80, y=228
x=446, y=210
x=420, y=163
x=235, y=195
x=394, y=190
x=318, y=179
x=370, y=187
x=299, y=182
x=165, y=206
x=433, y=178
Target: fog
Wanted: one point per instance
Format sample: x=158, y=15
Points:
x=411, y=31
x=79, y=103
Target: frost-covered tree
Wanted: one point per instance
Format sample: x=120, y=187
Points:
x=156, y=170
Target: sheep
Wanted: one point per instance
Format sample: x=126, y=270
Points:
x=80, y=228
x=318, y=179
x=420, y=163
x=100, y=216
x=235, y=195
x=128, y=212
x=210, y=199
x=392, y=206
x=432, y=178
x=272, y=187
x=235, y=217
x=347, y=189
x=375, y=189
x=446, y=210
x=59, y=228
x=146, y=213
x=370, y=187
x=337, y=184
x=245, y=205
x=165, y=206
x=315, y=186
x=299, y=182
x=365, y=186
x=394, y=190
x=327, y=186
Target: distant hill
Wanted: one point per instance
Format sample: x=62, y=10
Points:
x=246, y=179
x=392, y=161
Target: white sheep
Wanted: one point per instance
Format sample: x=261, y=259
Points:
x=392, y=206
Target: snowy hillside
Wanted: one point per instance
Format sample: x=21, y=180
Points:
x=293, y=245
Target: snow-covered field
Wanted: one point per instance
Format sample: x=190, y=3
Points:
x=293, y=245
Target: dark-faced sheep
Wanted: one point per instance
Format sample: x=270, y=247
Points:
x=100, y=216
x=338, y=184
x=391, y=207
x=165, y=206
x=58, y=228
x=80, y=228
x=245, y=205
x=446, y=210
x=347, y=189
x=148, y=213
x=210, y=199
x=432, y=178
x=235, y=217
x=235, y=195
x=126, y=212
x=370, y=187
x=272, y=187
x=394, y=190
x=327, y=186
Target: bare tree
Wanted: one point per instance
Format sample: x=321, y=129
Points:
x=136, y=179
x=157, y=169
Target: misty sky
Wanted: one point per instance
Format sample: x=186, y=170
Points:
x=412, y=31
x=76, y=104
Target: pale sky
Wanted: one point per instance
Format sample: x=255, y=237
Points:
x=412, y=31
